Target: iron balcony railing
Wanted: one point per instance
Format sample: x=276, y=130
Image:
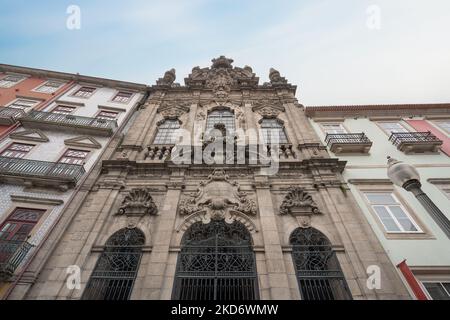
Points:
x=34, y=168
x=346, y=138
x=11, y=114
x=12, y=253
x=70, y=120
x=398, y=138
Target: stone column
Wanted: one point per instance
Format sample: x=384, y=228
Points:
x=275, y=267
x=155, y=274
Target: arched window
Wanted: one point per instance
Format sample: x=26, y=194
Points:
x=115, y=272
x=216, y=262
x=272, y=130
x=217, y=117
x=319, y=274
x=166, y=132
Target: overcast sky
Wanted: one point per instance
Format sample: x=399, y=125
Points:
x=325, y=47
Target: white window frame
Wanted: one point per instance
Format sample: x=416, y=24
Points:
x=121, y=91
x=394, y=219
x=434, y=281
x=341, y=126
x=388, y=132
x=23, y=77
x=439, y=125
x=24, y=99
x=38, y=88
x=74, y=92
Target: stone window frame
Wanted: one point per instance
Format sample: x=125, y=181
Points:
x=221, y=109
x=431, y=274
x=437, y=124
x=62, y=83
x=372, y=185
x=8, y=74
x=443, y=184
x=399, y=121
x=118, y=91
x=283, y=127
x=19, y=141
x=37, y=102
x=61, y=154
x=161, y=122
x=79, y=87
x=31, y=203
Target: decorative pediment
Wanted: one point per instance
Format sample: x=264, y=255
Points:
x=218, y=198
x=298, y=203
x=30, y=135
x=221, y=77
x=83, y=141
x=138, y=202
x=173, y=109
x=268, y=110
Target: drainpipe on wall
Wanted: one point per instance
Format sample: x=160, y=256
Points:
x=49, y=231
x=412, y=281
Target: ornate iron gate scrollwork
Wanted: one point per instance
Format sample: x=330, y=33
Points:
x=216, y=262
x=115, y=272
x=319, y=274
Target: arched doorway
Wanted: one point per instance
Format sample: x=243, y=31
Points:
x=115, y=272
x=216, y=262
x=319, y=274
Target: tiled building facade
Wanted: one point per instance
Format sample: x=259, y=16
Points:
x=144, y=225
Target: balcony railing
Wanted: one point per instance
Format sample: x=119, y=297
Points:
x=46, y=120
x=348, y=142
x=415, y=142
x=9, y=115
x=40, y=171
x=12, y=254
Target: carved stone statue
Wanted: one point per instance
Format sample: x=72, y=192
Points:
x=168, y=79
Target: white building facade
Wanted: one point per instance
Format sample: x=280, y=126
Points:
x=418, y=135
x=45, y=159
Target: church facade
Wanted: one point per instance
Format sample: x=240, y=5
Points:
x=263, y=214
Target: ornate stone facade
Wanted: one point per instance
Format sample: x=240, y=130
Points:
x=167, y=199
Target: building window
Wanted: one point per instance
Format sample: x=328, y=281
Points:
x=123, y=97
x=217, y=117
x=391, y=213
x=10, y=80
x=333, y=128
x=444, y=125
x=84, y=92
x=17, y=150
x=438, y=290
x=50, y=86
x=63, y=109
x=391, y=127
x=319, y=274
x=19, y=224
x=107, y=115
x=166, y=132
x=23, y=104
x=273, y=132
x=72, y=156
x=114, y=275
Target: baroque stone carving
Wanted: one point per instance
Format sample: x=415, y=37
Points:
x=298, y=203
x=275, y=77
x=138, y=202
x=266, y=110
x=218, y=198
x=168, y=79
x=173, y=109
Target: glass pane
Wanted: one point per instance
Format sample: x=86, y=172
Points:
x=386, y=219
x=402, y=218
x=436, y=291
x=380, y=198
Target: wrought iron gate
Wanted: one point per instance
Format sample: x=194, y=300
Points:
x=319, y=274
x=216, y=262
x=115, y=272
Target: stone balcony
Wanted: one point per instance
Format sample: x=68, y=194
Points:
x=348, y=143
x=12, y=254
x=9, y=116
x=31, y=173
x=65, y=122
x=415, y=142
x=164, y=152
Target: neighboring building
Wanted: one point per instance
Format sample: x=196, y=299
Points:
x=415, y=134
x=144, y=226
x=49, y=151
